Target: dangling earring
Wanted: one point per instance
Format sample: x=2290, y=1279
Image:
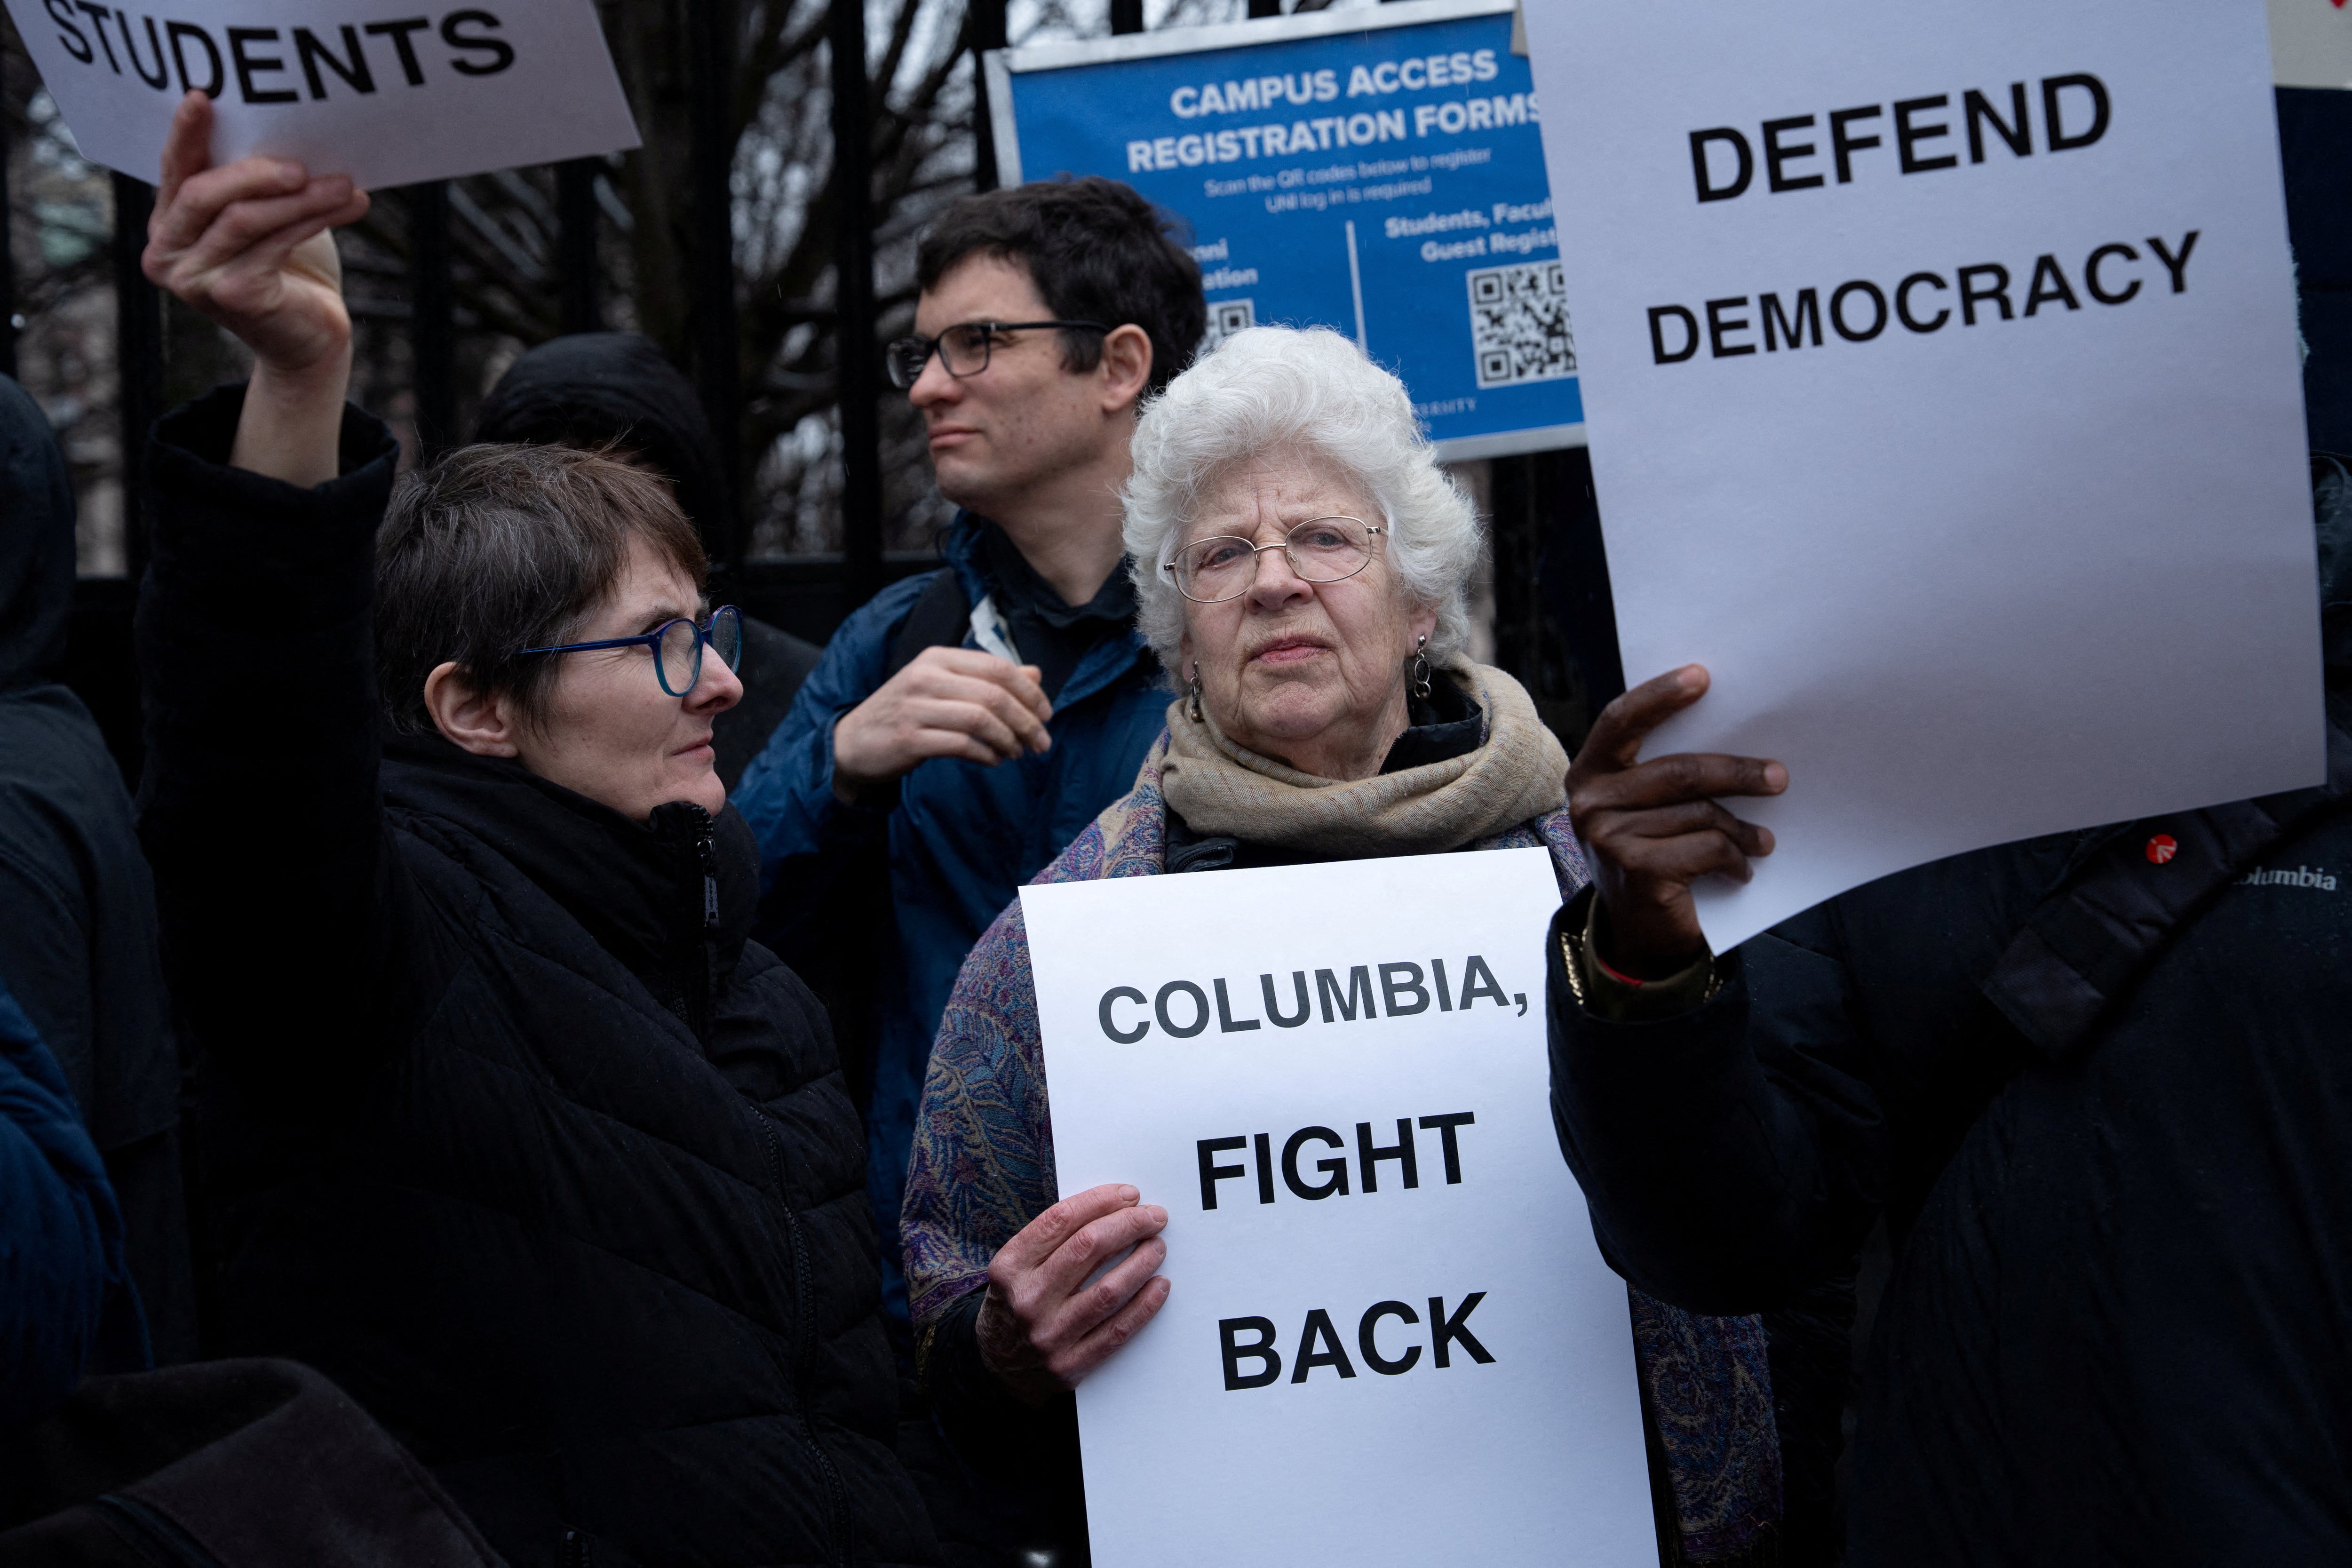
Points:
x=1420, y=673
x=1192, y=685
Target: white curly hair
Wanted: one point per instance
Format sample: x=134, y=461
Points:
x=1271, y=388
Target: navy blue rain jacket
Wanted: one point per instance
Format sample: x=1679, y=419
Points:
x=960, y=840
x=63, y=1288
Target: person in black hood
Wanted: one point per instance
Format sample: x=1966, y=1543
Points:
x=600, y=390
x=77, y=905
x=518, y=1139
x=2099, y=1086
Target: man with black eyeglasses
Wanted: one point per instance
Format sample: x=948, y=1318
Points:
x=965, y=725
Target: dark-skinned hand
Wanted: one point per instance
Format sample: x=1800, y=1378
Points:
x=1651, y=829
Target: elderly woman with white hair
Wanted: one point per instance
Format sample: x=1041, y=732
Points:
x=1302, y=567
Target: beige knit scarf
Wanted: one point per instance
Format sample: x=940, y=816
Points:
x=1520, y=772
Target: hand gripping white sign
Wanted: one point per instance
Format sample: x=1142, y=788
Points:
x=1390, y=1339
x=349, y=87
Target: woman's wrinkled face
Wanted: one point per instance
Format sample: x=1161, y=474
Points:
x=610, y=731
x=1310, y=673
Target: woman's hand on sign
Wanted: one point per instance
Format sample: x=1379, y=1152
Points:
x=1651, y=829
x=947, y=702
x=1042, y=1326
x=248, y=245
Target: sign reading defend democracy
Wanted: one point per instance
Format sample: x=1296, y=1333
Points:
x=1378, y=172
x=1945, y=399
x=350, y=87
x=1390, y=1339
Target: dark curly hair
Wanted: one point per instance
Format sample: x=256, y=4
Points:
x=1096, y=251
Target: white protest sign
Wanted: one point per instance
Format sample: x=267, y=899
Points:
x=350, y=87
x=2311, y=42
x=1390, y=1339
x=1945, y=403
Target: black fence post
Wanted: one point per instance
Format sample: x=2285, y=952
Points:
x=985, y=22
x=717, y=359
x=1127, y=16
x=138, y=356
x=7, y=240
x=433, y=320
x=856, y=353
x=1263, y=8
x=581, y=303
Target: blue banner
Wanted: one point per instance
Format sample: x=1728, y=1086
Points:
x=1387, y=182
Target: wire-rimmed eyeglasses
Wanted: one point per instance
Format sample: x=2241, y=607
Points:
x=678, y=647
x=1320, y=550
x=963, y=349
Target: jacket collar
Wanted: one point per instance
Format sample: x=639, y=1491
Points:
x=965, y=552
x=636, y=887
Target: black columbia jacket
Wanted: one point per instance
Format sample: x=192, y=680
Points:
x=2100, y=1086
x=514, y=1135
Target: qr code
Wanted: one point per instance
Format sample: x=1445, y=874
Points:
x=1518, y=325
x=1228, y=317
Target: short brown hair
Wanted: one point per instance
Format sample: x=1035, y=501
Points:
x=495, y=548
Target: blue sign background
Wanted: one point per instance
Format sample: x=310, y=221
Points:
x=1421, y=139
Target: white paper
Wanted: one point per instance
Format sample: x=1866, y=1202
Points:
x=1534, y=1458
x=1976, y=583
x=2311, y=42
x=499, y=86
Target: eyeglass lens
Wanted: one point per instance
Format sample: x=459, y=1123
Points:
x=963, y=349
x=681, y=649
x=1321, y=550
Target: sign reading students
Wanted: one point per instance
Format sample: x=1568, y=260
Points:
x=1390, y=1339
x=349, y=87
x=1378, y=172
x=1945, y=405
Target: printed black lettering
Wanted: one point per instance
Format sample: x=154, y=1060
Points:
x=1444, y=1127
x=501, y=53
x=398, y=33
x=1909, y=136
x=1658, y=339
x=1443, y=1331
x=1358, y=994
x=1971, y=296
x=1843, y=147
x=249, y=66
x=163, y=77
x=1335, y=1169
x=1837, y=311
x=1981, y=113
x=1775, y=155
x=1109, y=1028
x=1200, y=1008
x=1226, y=1022
x=1211, y=1173
x=1478, y=981
x=1318, y=1331
x=1367, y=1341
x=98, y=14
x=1228, y=1331
x=1273, y=1009
x=1718, y=324
x=1708, y=190
x=1437, y=975
x=2175, y=265
x=311, y=54
x=1903, y=302
x=1402, y=980
x=179, y=32
x=1809, y=310
x=2091, y=279
x=2049, y=286
x=1262, y=1149
x=70, y=31
x=1369, y=1154
x=2054, y=125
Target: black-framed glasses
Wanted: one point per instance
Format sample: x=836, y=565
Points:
x=1320, y=550
x=678, y=647
x=962, y=348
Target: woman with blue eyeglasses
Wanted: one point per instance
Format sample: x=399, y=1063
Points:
x=509, y=1129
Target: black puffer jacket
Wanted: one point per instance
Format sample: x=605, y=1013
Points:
x=515, y=1136
x=2100, y=1085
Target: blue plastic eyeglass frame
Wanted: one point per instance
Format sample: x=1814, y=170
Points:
x=652, y=639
